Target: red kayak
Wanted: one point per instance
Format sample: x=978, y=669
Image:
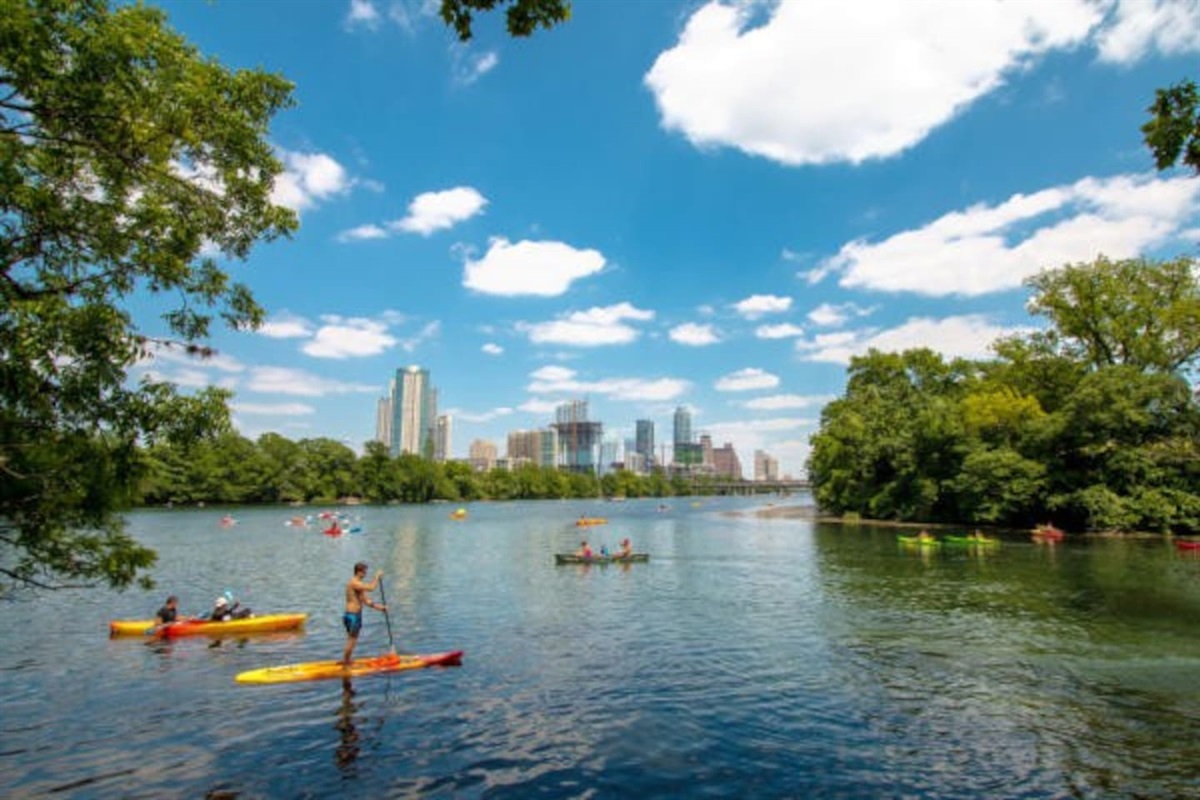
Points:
x=334, y=531
x=1048, y=533
x=1188, y=546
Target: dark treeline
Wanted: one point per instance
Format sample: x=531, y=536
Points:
x=1090, y=423
x=231, y=469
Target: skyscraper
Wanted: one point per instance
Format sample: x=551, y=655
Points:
x=644, y=445
x=578, y=437
x=687, y=453
x=414, y=409
x=443, y=428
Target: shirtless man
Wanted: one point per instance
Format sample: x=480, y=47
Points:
x=356, y=598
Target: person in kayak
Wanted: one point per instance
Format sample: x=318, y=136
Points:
x=585, y=550
x=223, y=610
x=626, y=549
x=170, y=613
x=356, y=598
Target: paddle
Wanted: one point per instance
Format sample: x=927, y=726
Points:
x=386, y=616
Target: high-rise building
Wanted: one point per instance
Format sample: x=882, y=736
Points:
x=725, y=462
x=578, y=437
x=766, y=468
x=383, y=420
x=706, y=450
x=644, y=445
x=443, y=429
x=482, y=455
x=538, y=447
x=687, y=453
x=414, y=409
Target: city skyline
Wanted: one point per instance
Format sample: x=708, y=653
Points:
x=713, y=205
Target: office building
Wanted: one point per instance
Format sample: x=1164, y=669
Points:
x=538, y=447
x=725, y=462
x=687, y=454
x=766, y=468
x=481, y=455
x=578, y=437
x=644, y=441
x=414, y=410
x=442, y=431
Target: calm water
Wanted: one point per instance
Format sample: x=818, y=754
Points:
x=750, y=658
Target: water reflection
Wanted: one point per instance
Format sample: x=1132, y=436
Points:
x=348, y=747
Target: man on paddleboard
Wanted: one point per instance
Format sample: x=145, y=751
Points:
x=356, y=598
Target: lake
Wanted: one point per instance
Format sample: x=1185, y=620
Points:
x=751, y=657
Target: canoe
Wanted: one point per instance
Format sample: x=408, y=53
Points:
x=1048, y=532
x=917, y=541
x=1188, y=546
x=259, y=624
x=571, y=558
x=971, y=541
x=321, y=670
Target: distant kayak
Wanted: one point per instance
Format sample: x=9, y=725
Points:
x=586, y=522
x=917, y=541
x=1048, y=533
x=968, y=541
x=322, y=670
x=260, y=624
x=1187, y=546
x=571, y=558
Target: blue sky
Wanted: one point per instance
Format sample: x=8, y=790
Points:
x=668, y=203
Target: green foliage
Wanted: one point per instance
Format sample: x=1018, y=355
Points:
x=1173, y=131
x=1091, y=421
x=521, y=18
x=125, y=156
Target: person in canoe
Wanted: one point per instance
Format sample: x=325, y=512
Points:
x=626, y=549
x=223, y=610
x=356, y=598
x=585, y=550
x=170, y=613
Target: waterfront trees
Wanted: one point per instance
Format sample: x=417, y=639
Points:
x=522, y=17
x=1090, y=422
x=126, y=158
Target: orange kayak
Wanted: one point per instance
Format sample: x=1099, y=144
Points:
x=259, y=624
x=321, y=670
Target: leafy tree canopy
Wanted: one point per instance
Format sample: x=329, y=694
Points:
x=1173, y=131
x=126, y=159
x=522, y=16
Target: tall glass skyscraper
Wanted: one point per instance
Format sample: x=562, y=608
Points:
x=644, y=443
x=414, y=409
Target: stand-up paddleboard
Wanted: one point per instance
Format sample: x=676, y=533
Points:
x=321, y=670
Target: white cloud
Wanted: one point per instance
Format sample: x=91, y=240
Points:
x=536, y=406
x=994, y=248
x=286, y=326
x=592, y=328
x=560, y=380
x=693, y=335
x=429, y=331
x=492, y=349
x=778, y=402
x=825, y=80
x=782, y=331
x=829, y=315
x=349, y=338
x=546, y=269
x=435, y=211
x=966, y=336
x=745, y=380
x=362, y=233
x=362, y=13
x=286, y=380
x=275, y=409
x=482, y=416
x=1138, y=28
x=470, y=67
x=758, y=305
x=307, y=179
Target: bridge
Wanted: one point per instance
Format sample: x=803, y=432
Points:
x=724, y=487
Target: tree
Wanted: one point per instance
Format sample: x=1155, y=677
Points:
x=1173, y=131
x=125, y=159
x=522, y=17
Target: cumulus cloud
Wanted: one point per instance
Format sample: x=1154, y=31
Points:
x=307, y=179
x=592, y=328
x=492, y=349
x=829, y=315
x=362, y=13
x=362, y=233
x=560, y=380
x=825, y=81
x=779, y=402
x=694, y=335
x=1171, y=27
x=435, y=211
x=758, y=305
x=545, y=269
x=286, y=326
x=348, y=338
x=745, y=380
x=480, y=416
x=966, y=336
x=994, y=248
x=537, y=406
x=273, y=409
x=784, y=330
x=286, y=380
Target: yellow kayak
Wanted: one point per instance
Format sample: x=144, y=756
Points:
x=259, y=624
x=320, y=670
